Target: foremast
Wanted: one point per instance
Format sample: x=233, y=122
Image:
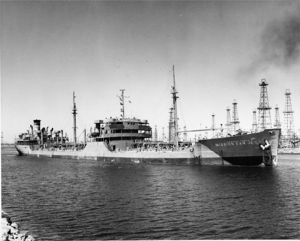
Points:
x=175, y=97
x=74, y=112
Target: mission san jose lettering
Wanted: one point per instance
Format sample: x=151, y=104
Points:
x=237, y=143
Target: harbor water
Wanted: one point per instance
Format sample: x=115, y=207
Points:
x=64, y=199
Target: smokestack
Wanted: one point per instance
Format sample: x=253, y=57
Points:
x=37, y=125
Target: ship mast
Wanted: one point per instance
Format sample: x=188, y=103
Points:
x=122, y=103
x=175, y=97
x=74, y=112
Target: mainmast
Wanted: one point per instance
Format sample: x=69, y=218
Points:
x=74, y=112
x=171, y=126
x=122, y=103
x=174, y=97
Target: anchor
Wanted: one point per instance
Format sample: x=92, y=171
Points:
x=268, y=159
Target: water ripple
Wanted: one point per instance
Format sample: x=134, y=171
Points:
x=85, y=200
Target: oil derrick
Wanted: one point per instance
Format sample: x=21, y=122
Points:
x=228, y=120
x=235, y=119
x=264, y=116
x=254, y=122
x=277, y=123
x=288, y=113
x=171, y=126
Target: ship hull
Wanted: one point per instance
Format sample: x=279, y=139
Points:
x=243, y=150
x=246, y=150
x=98, y=151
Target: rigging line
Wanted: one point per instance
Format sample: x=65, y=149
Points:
x=67, y=123
x=161, y=100
x=80, y=134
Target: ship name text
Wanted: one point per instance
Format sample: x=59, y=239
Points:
x=237, y=143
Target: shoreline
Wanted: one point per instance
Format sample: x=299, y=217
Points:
x=11, y=230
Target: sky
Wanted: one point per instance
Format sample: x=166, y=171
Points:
x=221, y=50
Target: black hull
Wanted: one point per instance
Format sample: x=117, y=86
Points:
x=246, y=150
x=244, y=160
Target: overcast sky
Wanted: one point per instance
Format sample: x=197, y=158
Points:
x=221, y=50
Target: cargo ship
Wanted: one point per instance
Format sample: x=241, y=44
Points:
x=129, y=140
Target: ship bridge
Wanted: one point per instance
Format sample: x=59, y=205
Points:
x=115, y=129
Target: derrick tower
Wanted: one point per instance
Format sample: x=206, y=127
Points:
x=277, y=123
x=254, y=122
x=235, y=117
x=228, y=120
x=264, y=116
x=288, y=117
